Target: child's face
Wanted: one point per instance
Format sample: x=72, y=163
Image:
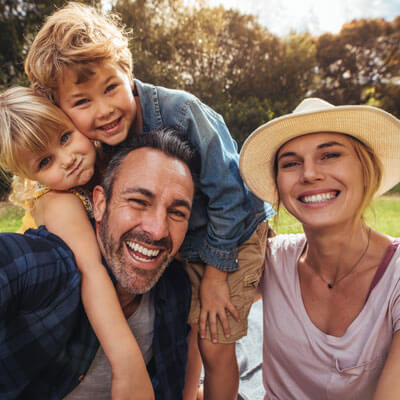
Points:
x=68, y=162
x=103, y=107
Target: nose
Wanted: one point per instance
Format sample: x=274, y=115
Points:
x=155, y=223
x=104, y=108
x=67, y=159
x=311, y=171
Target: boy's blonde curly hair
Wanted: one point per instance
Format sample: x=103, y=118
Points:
x=75, y=36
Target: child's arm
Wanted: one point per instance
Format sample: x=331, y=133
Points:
x=215, y=300
x=64, y=215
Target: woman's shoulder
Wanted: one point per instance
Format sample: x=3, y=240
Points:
x=285, y=242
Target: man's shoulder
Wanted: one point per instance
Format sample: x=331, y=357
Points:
x=36, y=256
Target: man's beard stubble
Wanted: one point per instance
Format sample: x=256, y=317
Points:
x=129, y=278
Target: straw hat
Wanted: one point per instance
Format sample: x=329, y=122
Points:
x=371, y=125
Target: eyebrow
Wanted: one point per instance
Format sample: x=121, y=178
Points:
x=150, y=195
x=80, y=94
x=320, y=146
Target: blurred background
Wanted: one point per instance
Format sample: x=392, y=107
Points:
x=249, y=60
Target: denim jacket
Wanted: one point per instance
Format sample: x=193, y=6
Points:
x=225, y=213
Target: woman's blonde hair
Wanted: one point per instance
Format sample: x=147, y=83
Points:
x=372, y=171
x=28, y=121
x=76, y=36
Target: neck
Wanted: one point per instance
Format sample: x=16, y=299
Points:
x=129, y=302
x=333, y=252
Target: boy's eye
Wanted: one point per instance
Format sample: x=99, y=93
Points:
x=65, y=137
x=44, y=162
x=111, y=87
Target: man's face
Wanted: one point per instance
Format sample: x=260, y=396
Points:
x=144, y=223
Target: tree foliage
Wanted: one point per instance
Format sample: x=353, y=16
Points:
x=360, y=63
x=229, y=60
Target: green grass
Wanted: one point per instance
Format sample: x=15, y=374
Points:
x=10, y=217
x=386, y=219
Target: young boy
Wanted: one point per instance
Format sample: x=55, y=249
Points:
x=81, y=60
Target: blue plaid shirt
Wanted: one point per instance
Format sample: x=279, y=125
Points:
x=46, y=341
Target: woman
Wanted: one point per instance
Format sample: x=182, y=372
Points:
x=331, y=295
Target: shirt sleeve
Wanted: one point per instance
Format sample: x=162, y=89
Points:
x=39, y=296
x=230, y=207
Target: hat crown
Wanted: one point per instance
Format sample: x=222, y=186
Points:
x=311, y=105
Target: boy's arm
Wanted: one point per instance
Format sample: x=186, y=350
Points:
x=63, y=214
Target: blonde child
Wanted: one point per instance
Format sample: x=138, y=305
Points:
x=81, y=60
x=39, y=143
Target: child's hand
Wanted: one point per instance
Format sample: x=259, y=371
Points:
x=215, y=300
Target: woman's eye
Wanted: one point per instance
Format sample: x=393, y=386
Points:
x=330, y=155
x=289, y=164
x=44, y=162
x=65, y=137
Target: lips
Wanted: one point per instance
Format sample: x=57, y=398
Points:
x=76, y=168
x=319, y=197
x=111, y=125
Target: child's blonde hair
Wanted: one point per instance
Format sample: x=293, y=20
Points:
x=28, y=121
x=75, y=36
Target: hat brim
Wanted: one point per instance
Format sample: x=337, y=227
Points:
x=372, y=126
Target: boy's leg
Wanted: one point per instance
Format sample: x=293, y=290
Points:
x=221, y=372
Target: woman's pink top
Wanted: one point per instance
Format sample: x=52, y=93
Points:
x=303, y=363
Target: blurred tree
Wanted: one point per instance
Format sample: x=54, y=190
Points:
x=365, y=54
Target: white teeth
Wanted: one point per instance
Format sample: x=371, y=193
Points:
x=316, y=198
x=110, y=125
x=143, y=250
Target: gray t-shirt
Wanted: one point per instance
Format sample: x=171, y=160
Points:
x=97, y=382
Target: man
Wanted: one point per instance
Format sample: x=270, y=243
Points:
x=141, y=212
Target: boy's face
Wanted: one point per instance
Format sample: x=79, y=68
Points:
x=102, y=107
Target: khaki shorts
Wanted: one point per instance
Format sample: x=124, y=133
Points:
x=242, y=284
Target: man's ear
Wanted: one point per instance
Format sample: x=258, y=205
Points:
x=99, y=203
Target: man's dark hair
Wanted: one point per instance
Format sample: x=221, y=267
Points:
x=167, y=140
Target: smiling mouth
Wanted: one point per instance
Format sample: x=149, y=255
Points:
x=142, y=253
x=111, y=125
x=320, y=197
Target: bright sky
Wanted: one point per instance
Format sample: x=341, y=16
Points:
x=314, y=16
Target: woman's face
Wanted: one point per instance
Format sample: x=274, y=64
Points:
x=320, y=179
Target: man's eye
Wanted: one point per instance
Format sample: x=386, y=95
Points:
x=138, y=202
x=178, y=214
x=44, y=162
x=65, y=138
